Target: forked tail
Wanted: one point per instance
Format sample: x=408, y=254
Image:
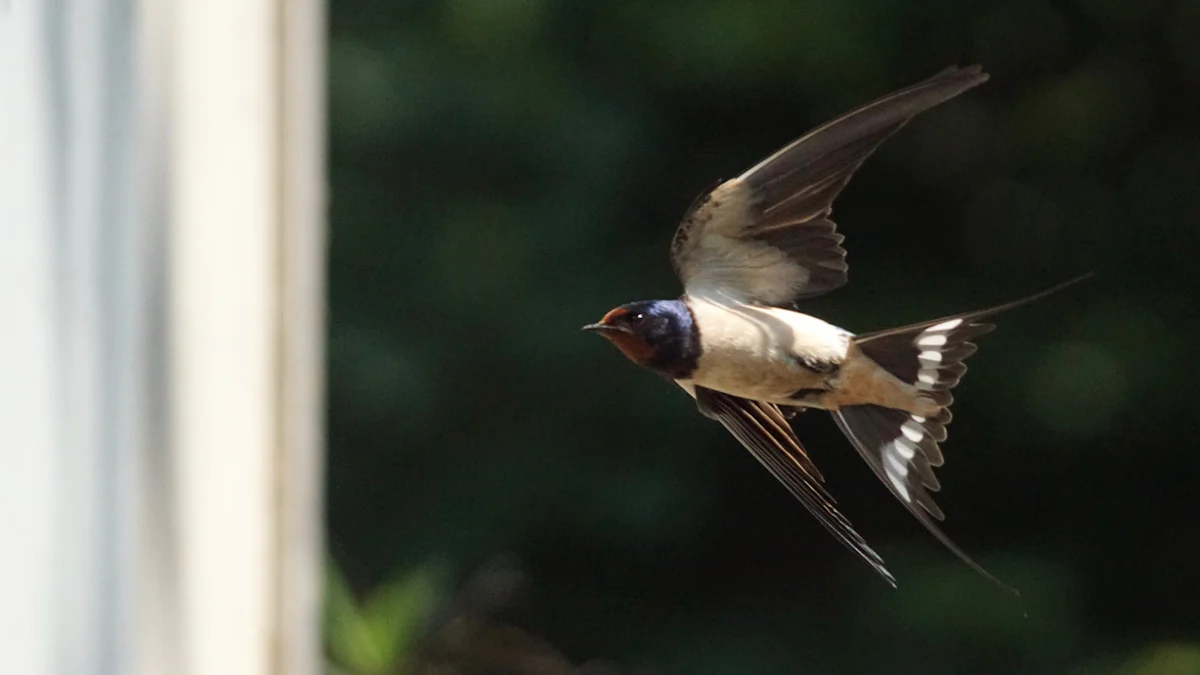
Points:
x=902, y=448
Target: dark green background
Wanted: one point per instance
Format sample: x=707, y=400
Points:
x=504, y=171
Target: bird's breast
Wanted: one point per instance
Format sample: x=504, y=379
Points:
x=764, y=353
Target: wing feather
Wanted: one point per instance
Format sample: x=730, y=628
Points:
x=765, y=237
x=762, y=429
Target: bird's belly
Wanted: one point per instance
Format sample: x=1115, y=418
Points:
x=762, y=379
x=765, y=353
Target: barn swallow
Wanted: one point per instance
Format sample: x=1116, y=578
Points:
x=747, y=251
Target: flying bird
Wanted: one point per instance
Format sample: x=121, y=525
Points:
x=747, y=251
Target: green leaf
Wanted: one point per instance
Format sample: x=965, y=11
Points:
x=379, y=635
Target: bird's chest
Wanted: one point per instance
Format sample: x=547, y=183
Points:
x=764, y=353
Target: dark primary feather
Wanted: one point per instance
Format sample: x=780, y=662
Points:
x=783, y=202
x=800, y=181
x=762, y=429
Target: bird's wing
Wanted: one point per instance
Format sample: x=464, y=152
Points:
x=762, y=429
x=765, y=237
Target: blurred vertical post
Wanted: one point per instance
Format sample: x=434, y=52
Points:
x=246, y=241
x=75, y=259
x=30, y=484
x=161, y=288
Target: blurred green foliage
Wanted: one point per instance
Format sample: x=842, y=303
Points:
x=380, y=635
x=504, y=171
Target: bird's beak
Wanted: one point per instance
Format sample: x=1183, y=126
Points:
x=602, y=328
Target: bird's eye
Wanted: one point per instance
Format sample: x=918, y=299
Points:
x=638, y=317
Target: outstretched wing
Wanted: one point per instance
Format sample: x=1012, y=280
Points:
x=762, y=429
x=765, y=237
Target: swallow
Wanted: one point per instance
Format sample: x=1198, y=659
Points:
x=747, y=251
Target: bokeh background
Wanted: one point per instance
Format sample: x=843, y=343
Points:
x=504, y=171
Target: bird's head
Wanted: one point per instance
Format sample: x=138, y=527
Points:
x=658, y=334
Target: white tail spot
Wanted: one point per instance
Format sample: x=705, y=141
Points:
x=919, y=419
x=946, y=325
x=927, y=376
x=904, y=449
x=927, y=340
x=896, y=466
x=935, y=357
x=912, y=432
x=897, y=471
